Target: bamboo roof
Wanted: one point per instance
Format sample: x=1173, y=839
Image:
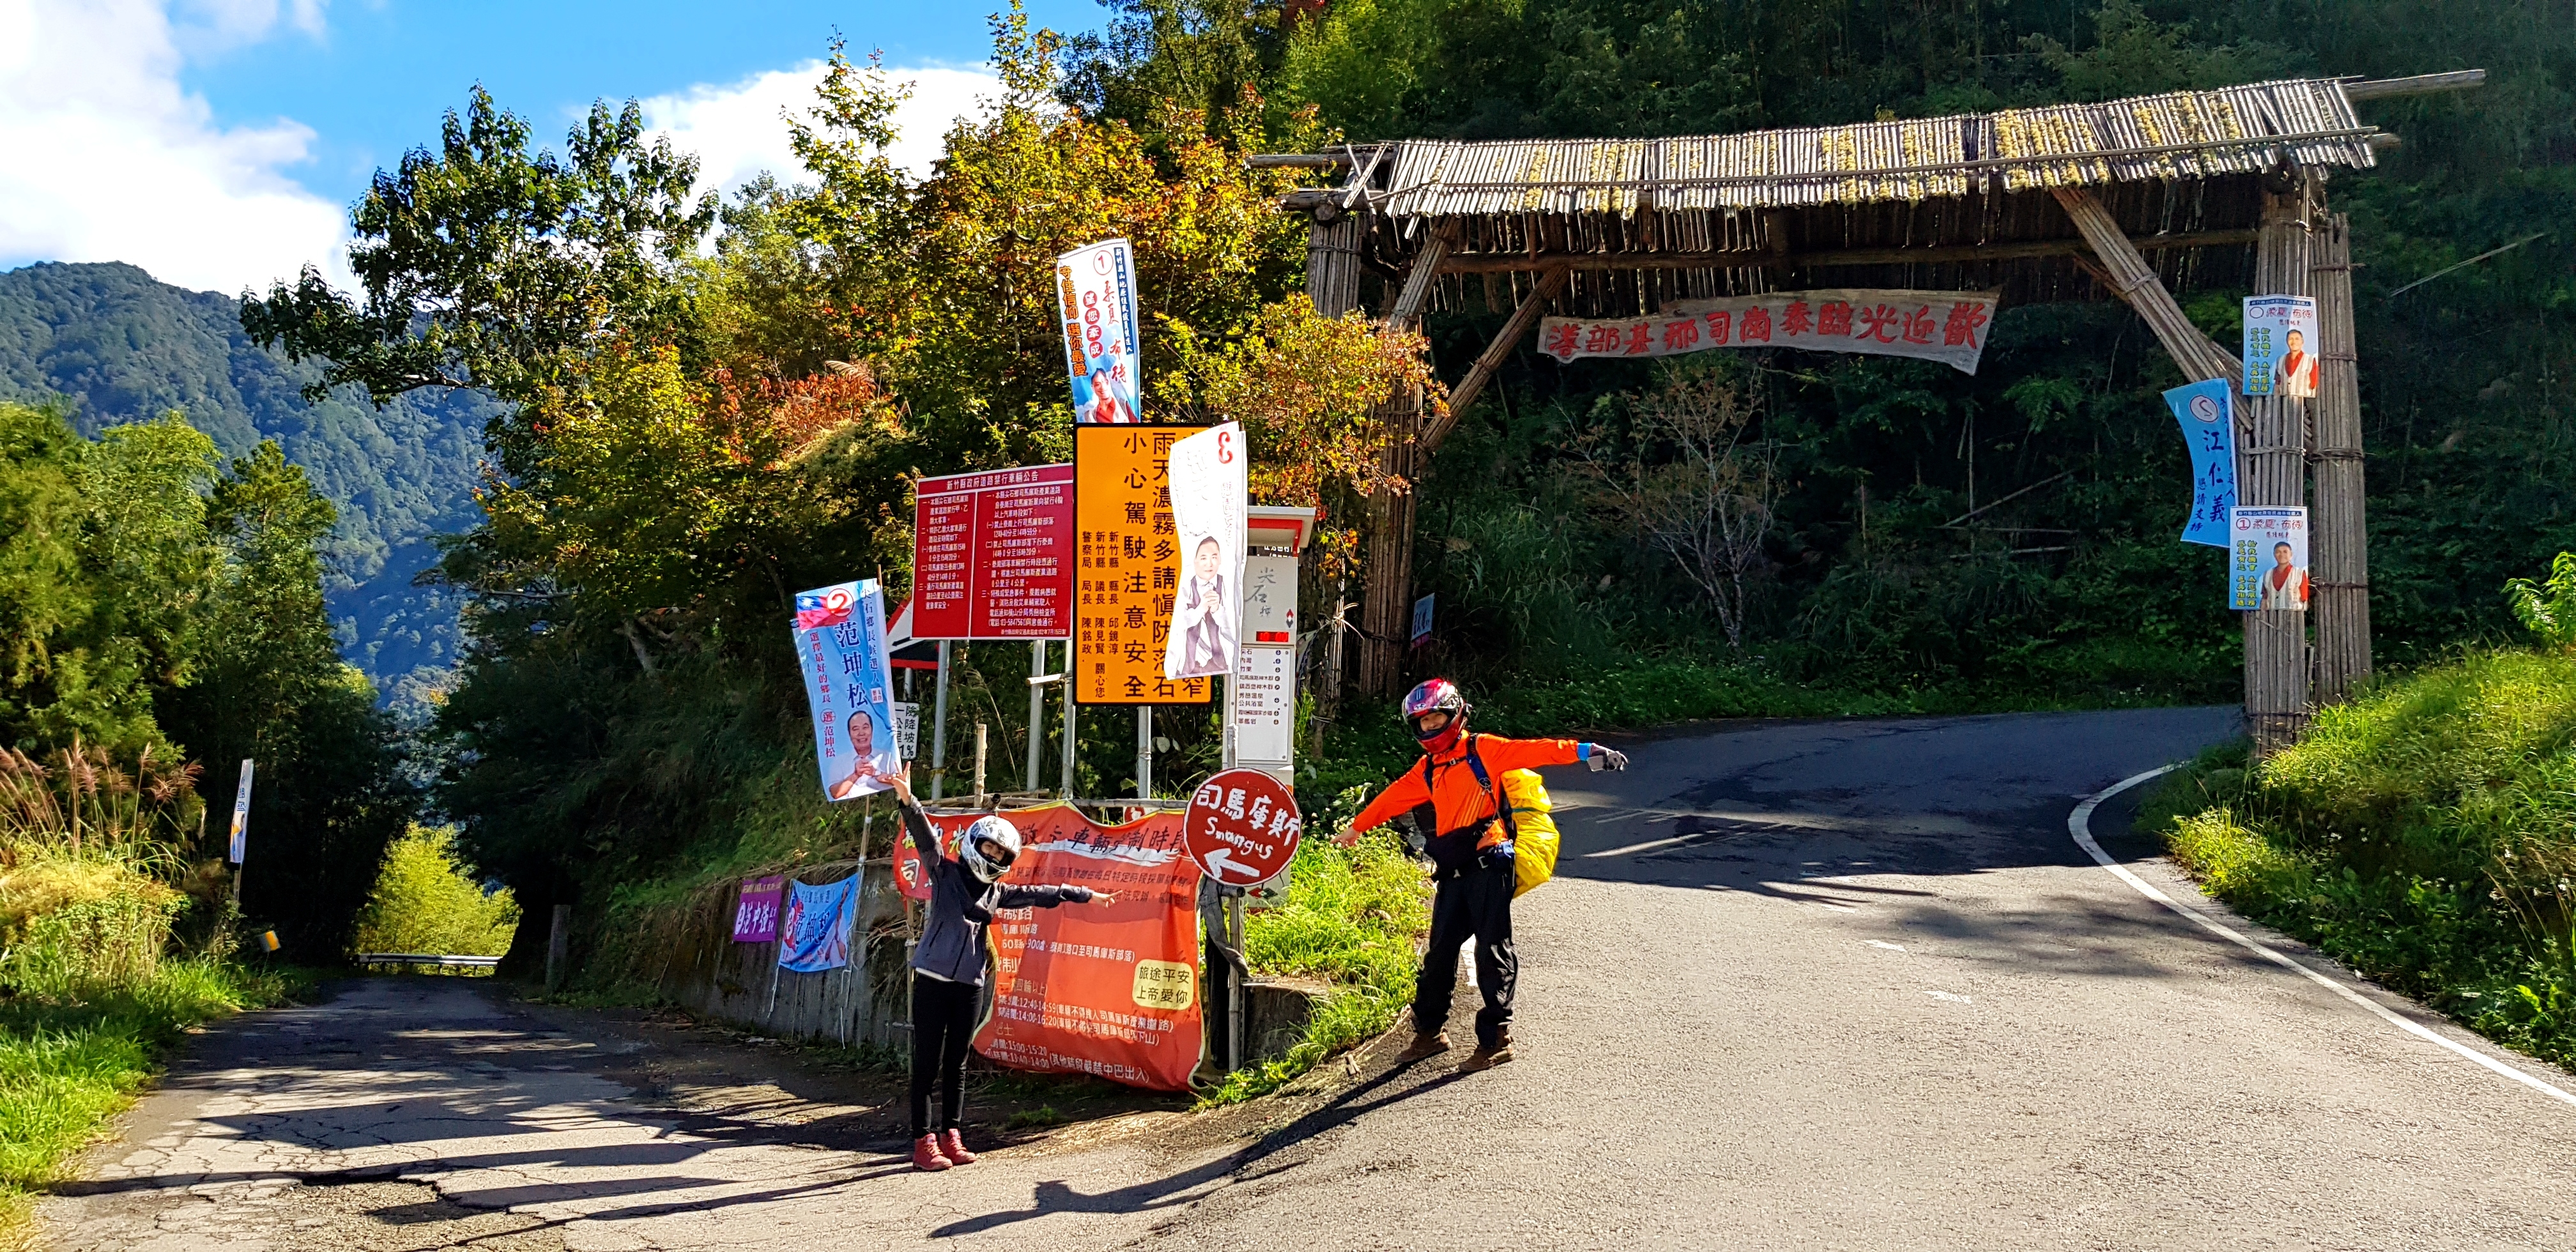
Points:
x=2176, y=135
x=1947, y=203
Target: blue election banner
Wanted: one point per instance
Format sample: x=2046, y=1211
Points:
x=849, y=683
x=2208, y=415
x=815, y=934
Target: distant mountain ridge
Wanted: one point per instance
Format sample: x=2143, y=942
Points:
x=121, y=346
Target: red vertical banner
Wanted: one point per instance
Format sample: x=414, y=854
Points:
x=992, y=555
x=1103, y=989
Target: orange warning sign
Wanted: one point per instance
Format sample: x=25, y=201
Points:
x=1130, y=564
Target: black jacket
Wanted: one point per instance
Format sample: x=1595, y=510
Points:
x=952, y=939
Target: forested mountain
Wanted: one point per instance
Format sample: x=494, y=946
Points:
x=121, y=347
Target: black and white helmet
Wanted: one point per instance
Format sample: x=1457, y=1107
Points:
x=1005, y=839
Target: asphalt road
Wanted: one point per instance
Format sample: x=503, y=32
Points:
x=1825, y=985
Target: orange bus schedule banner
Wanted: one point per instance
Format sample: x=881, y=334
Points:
x=1128, y=568
x=1104, y=989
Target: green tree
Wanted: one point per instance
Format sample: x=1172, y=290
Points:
x=270, y=686
x=106, y=571
x=487, y=265
x=425, y=899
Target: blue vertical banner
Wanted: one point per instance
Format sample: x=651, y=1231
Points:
x=2207, y=412
x=849, y=684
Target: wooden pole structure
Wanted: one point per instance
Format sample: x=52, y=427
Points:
x=2273, y=471
x=2339, y=570
x=1387, y=600
x=2199, y=359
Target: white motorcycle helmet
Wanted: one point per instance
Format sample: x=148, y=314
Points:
x=1005, y=839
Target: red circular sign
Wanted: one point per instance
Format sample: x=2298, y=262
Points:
x=1241, y=827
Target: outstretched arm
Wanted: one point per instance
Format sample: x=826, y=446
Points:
x=1502, y=754
x=1044, y=897
x=1400, y=796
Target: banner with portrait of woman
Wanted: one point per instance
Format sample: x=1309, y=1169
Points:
x=1211, y=491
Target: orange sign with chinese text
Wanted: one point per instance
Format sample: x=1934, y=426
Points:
x=1128, y=566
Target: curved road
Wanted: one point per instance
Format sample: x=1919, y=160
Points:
x=1841, y=985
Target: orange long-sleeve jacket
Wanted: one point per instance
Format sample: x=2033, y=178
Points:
x=1462, y=805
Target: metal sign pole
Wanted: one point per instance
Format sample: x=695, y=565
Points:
x=1144, y=751
x=1037, y=708
x=939, y=726
x=1070, y=742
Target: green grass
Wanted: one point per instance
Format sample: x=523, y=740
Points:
x=66, y=1067
x=2424, y=835
x=1351, y=919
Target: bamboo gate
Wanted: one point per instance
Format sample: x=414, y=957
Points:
x=2136, y=199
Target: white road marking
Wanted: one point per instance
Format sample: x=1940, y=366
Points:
x=1881, y=943
x=1954, y=999
x=2080, y=824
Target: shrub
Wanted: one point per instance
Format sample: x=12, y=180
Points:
x=426, y=901
x=73, y=923
x=2547, y=608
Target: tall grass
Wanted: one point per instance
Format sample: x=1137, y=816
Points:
x=2424, y=834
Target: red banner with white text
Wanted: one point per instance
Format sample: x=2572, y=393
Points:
x=1104, y=989
x=1945, y=326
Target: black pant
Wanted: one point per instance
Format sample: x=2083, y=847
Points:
x=943, y=1023
x=1476, y=903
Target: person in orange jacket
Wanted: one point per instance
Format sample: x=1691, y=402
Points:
x=1471, y=859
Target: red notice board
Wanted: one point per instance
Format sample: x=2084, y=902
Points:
x=992, y=555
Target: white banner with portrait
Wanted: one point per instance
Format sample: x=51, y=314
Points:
x=1211, y=489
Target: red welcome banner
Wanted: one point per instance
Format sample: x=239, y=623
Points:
x=1104, y=989
x=1945, y=326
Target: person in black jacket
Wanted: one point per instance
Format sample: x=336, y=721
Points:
x=948, y=964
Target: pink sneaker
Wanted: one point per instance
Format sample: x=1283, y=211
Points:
x=926, y=1154
x=954, y=1144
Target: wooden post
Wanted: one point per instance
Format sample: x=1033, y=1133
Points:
x=2339, y=570
x=1333, y=262
x=1385, y=602
x=558, y=947
x=2273, y=471
x=2272, y=462
x=1389, y=594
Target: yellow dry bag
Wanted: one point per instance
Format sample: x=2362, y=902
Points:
x=1534, y=841
x=1528, y=817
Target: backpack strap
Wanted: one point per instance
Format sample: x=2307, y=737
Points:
x=1476, y=762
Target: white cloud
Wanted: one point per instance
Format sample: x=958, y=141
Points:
x=740, y=130
x=108, y=159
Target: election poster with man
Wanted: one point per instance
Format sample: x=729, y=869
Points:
x=1096, y=292
x=2280, y=346
x=849, y=684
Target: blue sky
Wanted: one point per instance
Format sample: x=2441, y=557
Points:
x=218, y=143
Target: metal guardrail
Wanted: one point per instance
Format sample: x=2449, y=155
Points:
x=425, y=958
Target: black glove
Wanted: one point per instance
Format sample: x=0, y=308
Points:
x=1601, y=758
